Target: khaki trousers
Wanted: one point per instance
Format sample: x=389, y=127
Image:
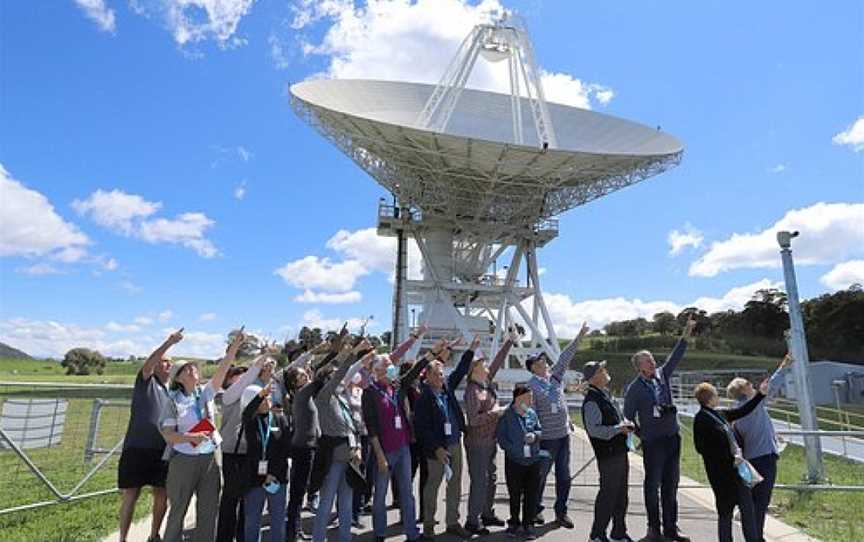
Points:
x=454, y=489
x=188, y=475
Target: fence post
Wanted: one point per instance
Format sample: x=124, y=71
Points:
x=95, y=414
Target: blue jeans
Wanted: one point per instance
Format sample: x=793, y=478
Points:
x=399, y=463
x=253, y=506
x=335, y=488
x=559, y=452
x=661, y=458
x=766, y=465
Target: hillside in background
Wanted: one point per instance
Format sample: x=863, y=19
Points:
x=8, y=352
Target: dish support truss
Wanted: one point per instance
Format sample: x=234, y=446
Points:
x=457, y=296
x=495, y=42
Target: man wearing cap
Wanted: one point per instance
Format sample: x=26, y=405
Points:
x=648, y=402
x=608, y=432
x=547, y=387
x=141, y=462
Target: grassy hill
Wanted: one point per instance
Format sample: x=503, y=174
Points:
x=8, y=352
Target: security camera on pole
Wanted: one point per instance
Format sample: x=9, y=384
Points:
x=801, y=365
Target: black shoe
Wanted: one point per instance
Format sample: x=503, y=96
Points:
x=529, y=533
x=458, y=530
x=475, y=529
x=565, y=522
x=538, y=519
x=379, y=539
x=493, y=521
x=512, y=530
x=676, y=536
x=359, y=525
x=598, y=538
x=304, y=535
x=653, y=536
x=625, y=538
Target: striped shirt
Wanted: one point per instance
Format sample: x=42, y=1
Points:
x=549, y=396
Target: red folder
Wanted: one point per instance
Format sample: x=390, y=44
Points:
x=203, y=426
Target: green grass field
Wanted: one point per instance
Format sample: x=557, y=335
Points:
x=828, y=516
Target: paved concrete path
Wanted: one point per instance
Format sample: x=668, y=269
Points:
x=696, y=510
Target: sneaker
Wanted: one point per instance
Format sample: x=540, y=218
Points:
x=512, y=530
x=458, y=530
x=304, y=535
x=676, y=536
x=493, y=521
x=529, y=533
x=564, y=521
x=359, y=525
x=538, y=519
x=625, y=538
x=598, y=538
x=475, y=529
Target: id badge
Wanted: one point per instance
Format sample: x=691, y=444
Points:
x=448, y=429
x=262, y=468
x=527, y=450
x=554, y=408
x=657, y=411
x=352, y=440
x=398, y=421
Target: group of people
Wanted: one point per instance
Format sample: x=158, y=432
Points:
x=342, y=425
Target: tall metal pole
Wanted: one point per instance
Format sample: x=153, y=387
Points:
x=801, y=365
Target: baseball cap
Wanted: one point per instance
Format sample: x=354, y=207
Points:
x=591, y=368
x=531, y=359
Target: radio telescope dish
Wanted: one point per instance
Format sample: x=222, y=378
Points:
x=476, y=180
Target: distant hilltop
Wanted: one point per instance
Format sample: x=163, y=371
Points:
x=8, y=352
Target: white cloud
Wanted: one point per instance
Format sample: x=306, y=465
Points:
x=143, y=321
x=207, y=317
x=122, y=328
x=313, y=318
x=116, y=209
x=852, y=136
x=830, y=232
x=165, y=315
x=240, y=191
x=188, y=230
x=779, y=168
x=308, y=296
x=130, y=287
x=312, y=272
x=197, y=21
x=679, y=240
x=132, y=216
x=567, y=315
x=100, y=13
x=110, y=264
x=279, y=52
x=39, y=269
x=375, y=252
x=30, y=227
x=844, y=275
x=415, y=41
x=244, y=153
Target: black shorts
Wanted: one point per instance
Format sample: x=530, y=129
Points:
x=141, y=467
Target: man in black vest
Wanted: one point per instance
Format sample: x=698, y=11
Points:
x=608, y=432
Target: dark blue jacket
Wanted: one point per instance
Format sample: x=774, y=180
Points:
x=511, y=431
x=428, y=418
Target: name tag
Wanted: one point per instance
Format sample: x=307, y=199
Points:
x=274, y=429
x=527, y=450
x=657, y=411
x=262, y=468
x=352, y=440
x=554, y=408
x=398, y=421
x=448, y=429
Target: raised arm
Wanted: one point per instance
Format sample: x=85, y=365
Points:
x=252, y=408
x=678, y=350
x=464, y=364
x=498, y=361
x=301, y=360
x=357, y=366
x=345, y=358
x=413, y=373
x=568, y=354
x=776, y=380
x=222, y=369
x=732, y=414
x=406, y=345
x=157, y=355
x=235, y=390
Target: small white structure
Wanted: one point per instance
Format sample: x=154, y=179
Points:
x=823, y=375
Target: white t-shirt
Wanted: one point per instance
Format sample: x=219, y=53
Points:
x=187, y=411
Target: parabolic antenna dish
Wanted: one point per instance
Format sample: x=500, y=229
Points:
x=473, y=175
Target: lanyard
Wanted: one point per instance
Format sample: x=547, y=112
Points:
x=733, y=444
x=346, y=412
x=655, y=385
x=549, y=389
x=441, y=399
x=391, y=397
x=265, y=433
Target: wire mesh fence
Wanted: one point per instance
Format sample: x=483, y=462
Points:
x=59, y=442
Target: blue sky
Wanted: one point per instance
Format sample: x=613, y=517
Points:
x=154, y=174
